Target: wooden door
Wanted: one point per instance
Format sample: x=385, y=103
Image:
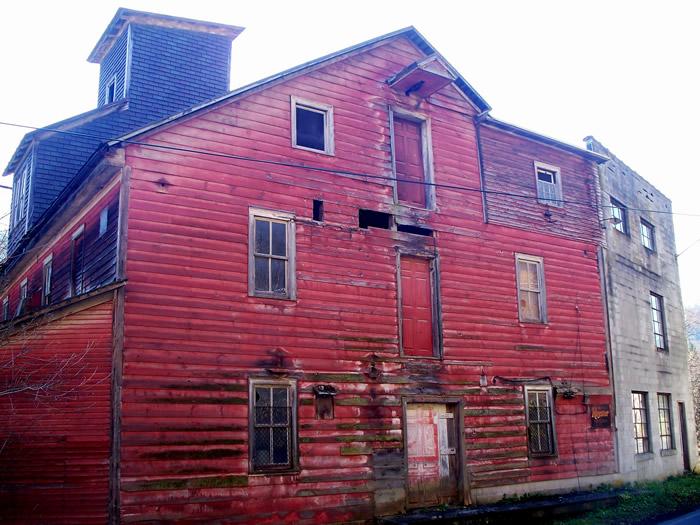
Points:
x=433, y=466
x=417, y=336
x=408, y=156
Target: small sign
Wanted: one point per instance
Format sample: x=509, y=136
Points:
x=600, y=416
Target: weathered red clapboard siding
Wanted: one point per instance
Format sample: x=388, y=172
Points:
x=54, y=455
x=509, y=169
x=193, y=337
x=100, y=258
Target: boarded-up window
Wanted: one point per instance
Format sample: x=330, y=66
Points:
x=271, y=254
x=417, y=316
x=540, y=424
x=410, y=166
x=272, y=439
x=531, y=294
x=77, y=267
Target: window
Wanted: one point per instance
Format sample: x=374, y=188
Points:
x=418, y=293
x=271, y=255
x=665, y=422
x=111, y=91
x=540, y=423
x=312, y=126
x=548, y=184
x=658, y=322
x=272, y=425
x=318, y=210
x=22, y=304
x=531, y=293
x=19, y=194
x=640, y=422
x=5, y=308
x=412, y=159
x=648, y=235
x=104, y=218
x=77, y=267
x=46, y=281
x=619, y=216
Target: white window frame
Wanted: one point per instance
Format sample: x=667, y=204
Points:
x=645, y=425
x=623, y=225
x=426, y=151
x=104, y=221
x=112, y=80
x=71, y=287
x=658, y=309
x=20, y=188
x=542, y=288
x=557, y=186
x=291, y=385
x=5, y=308
x=550, y=400
x=46, y=278
x=328, y=133
x=23, y=296
x=274, y=216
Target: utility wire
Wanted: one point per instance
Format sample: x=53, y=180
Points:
x=688, y=247
x=349, y=173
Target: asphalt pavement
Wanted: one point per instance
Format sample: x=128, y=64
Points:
x=692, y=518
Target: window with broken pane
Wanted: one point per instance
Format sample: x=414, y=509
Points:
x=540, y=425
x=272, y=429
x=665, y=422
x=640, y=422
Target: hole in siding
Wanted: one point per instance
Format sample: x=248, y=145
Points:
x=416, y=230
x=375, y=219
x=318, y=210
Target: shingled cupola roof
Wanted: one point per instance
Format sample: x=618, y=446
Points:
x=125, y=16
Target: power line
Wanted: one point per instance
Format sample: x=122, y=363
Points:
x=348, y=173
x=688, y=247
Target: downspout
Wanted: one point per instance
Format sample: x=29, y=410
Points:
x=478, y=119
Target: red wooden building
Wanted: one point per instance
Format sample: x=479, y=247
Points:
x=340, y=292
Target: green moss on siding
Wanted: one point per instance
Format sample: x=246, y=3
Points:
x=187, y=483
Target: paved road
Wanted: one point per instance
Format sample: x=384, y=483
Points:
x=688, y=519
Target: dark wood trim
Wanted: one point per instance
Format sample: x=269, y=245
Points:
x=113, y=511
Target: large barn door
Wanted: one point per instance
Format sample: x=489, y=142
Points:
x=432, y=454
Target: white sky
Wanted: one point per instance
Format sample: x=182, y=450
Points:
x=625, y=72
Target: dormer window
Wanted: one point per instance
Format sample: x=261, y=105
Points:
x=111, y=91
x=312, y=126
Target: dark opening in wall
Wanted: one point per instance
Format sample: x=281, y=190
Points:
x=375, y=219
x=318, y=210
x=416, y=230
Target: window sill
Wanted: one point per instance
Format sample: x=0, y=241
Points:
x=329, y=153
x=669, y=452
x=258, y=295
x=646, y=456
x=268, y=473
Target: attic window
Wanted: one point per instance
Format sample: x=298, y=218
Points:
x=375, y=219
x=111, y=91
x=312, y=126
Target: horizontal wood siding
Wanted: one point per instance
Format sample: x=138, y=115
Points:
x=54, y=444
x=509, y=177
x=193, y=336
x=100, y=259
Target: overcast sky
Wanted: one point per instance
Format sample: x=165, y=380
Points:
x=625, y=72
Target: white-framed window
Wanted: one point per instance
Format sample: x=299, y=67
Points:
x=648, y=235
x=548, y=179
x=46, y=277
x=312, y=126
x=271, y=254
x=111, y=90
x=532, y=302
x=77, y=258
x=5, y=308
x=272, y=425
x=640, y=421
x=618, y=213
x=541, y=436
x=104, y=219
x=665, y=422
x=658, y=321
x=20, y=188
x=23, y=295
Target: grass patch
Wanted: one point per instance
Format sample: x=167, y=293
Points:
x=646, y=502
